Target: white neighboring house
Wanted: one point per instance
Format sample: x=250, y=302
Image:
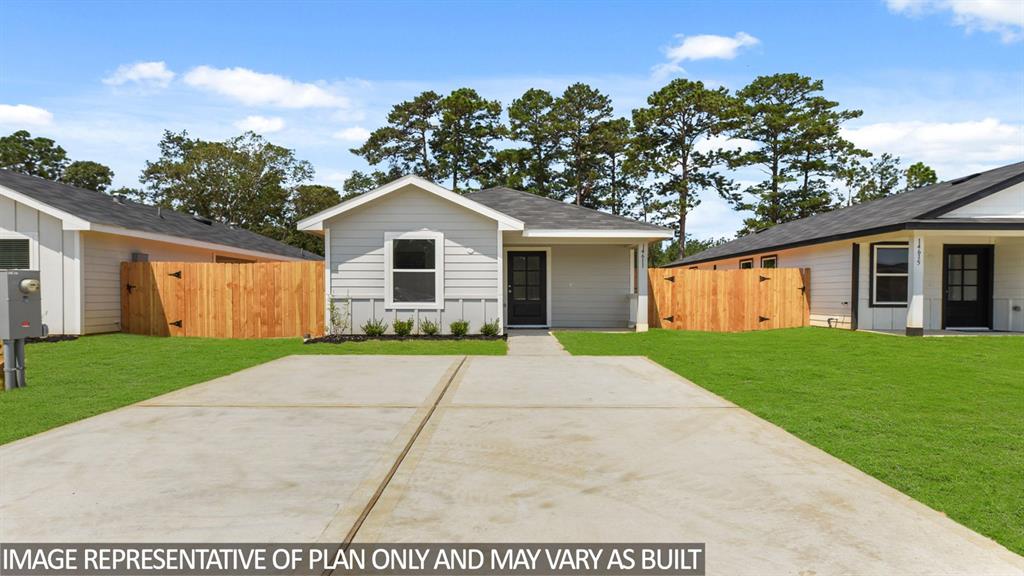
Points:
x=413, y=249
x=78, y=238
x=946, y=256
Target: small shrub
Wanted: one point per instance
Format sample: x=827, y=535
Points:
x=428, y=327
x=490, y=328
x=375, y=327
x=403, y=327
x=459, y=328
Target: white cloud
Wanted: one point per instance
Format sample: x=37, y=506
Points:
x=1004, y=17
x=335, y=178
x=260, y=124
x=149, y=74
x=702, y=47
x=353, y=134
x=258, y=89
x=953, y=148
x=24, y=115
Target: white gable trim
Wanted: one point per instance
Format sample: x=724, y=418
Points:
x=68, y=221
x=316, y=221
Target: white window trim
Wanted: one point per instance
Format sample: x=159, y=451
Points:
x=744, y=260
x=875, y=274
x=774, y=259
x=389, y=279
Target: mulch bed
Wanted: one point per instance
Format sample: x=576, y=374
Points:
x=342, y=338
x=54, y=338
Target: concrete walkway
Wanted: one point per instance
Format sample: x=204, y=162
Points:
x=478, y=449
x=533, y=342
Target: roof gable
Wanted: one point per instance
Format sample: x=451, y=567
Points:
x=81, y=209
x=316, y=221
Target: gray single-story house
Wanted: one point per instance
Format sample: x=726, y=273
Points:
x=78, y=238
x=944, y=257
x=413, y=249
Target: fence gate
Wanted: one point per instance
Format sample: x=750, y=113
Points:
x=260, y=300
x=729, y=300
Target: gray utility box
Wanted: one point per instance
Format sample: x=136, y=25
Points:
x=21, y=308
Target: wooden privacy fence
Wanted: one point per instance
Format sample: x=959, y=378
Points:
x=261, y=300
x=729, y=300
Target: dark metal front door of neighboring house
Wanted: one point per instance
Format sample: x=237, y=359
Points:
x=527, y=289
x=967, y=287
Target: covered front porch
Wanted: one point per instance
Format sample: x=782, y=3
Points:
x=575, y=282
x=958, y=282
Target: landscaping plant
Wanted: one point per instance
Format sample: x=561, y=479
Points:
x=403, y=327
x=490, y=328
x=459, y=328
x=428, y=327
x=375, y=327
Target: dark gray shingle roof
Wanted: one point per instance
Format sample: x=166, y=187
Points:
x=538, y=212
x=916, y=208
x=100, y=208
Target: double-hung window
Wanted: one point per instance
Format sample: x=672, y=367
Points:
x=890, y=274
x=414, y=270
x=15, y=254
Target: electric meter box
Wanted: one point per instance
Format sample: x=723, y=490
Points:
x=21, y=310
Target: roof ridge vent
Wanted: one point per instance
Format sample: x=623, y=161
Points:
x=202, y=219
x=963, y=179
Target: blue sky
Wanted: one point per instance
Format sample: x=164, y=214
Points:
x=939, y=81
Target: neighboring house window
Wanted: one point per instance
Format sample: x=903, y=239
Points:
x=746, y=264
x=15, y=254
x=414, y=276
x=769, y=261
x=890, y=274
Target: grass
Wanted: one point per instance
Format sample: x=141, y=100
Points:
x=68, y=381
x=940, y=419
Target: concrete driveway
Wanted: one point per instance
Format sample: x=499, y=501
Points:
x=479, y=449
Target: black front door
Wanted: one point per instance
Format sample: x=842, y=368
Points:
x=967, y=283
x=527, y=288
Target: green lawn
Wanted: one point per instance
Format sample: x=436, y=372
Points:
x=68, y=381
x=940, y=419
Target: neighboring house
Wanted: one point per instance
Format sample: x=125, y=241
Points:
x=77, y=239
x=414, y=249
x=945, y=256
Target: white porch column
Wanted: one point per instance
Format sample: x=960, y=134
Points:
x=641, y=287
x=915, y=306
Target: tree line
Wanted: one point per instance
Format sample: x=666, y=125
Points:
x=653, y=165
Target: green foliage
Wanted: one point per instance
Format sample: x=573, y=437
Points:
x=490, y=328
x=404, y=143
x=465, y=135
x=796, y=133
x=339, y=320
x=308, y=199
x=42, y=157
x=579, y=114
x=89, y=175
x=78, y=379
x=404, y=327
x=459, y=328
x=374, y=327
x=879, y=402
x=244, y=181
x=429, y=327
x=919, y=175
x=361, y=182
x=661, y=255
x=532, y=122
x=875, y=179
x=678, y=118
